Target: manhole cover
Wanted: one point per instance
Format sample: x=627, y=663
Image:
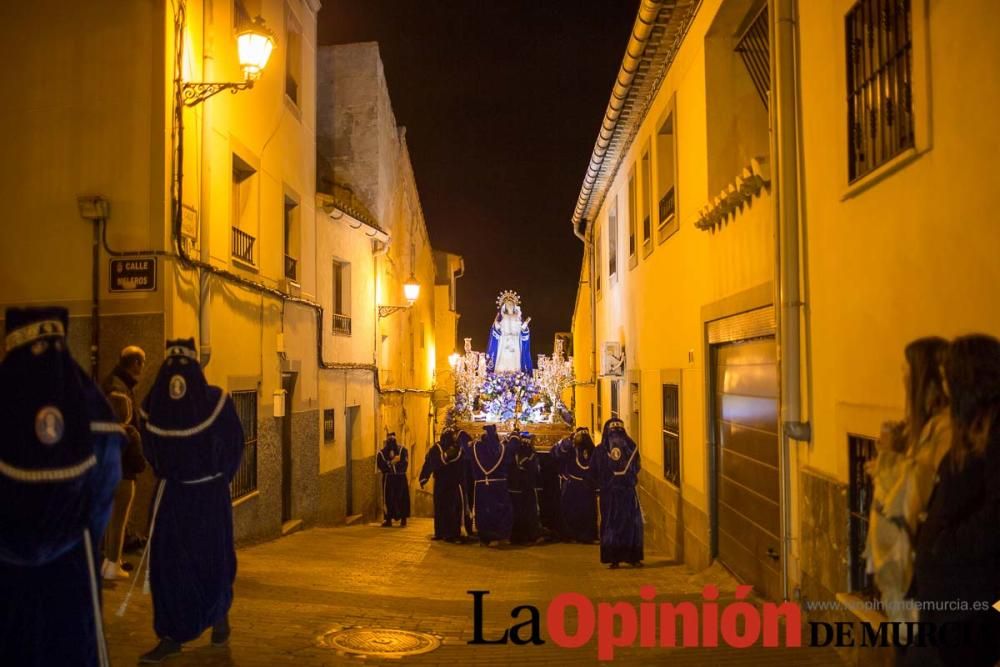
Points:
x=380, y=642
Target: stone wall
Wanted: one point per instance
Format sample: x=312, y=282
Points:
x=258, y=516
x=305, y=466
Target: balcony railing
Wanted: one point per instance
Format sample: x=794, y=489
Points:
x=667, y=205
x=291, y=267
x=342, y=324
x=243, y=246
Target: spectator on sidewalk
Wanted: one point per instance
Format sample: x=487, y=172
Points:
x=909, y=453
x=119, y=387
x=393, y=461
x=59, y=465
x=617, y=464
x=193, y=439
x=958, y=546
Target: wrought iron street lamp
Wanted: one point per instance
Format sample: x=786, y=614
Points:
x=411, y=290
x=254, y=44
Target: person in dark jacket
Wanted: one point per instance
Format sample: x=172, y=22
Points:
x=119, y=387
x=958, y=546
x=59, y=466
x=393, y=461
x=193, y=439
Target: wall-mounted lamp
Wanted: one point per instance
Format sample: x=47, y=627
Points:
x=254, y=44
x=411, y=291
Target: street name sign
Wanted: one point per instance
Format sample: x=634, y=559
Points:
x=135, y=274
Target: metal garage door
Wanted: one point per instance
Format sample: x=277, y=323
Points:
x=745, y=391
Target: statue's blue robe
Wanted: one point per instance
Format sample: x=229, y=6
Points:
x=621, y=518
x=395, y=486
x=449, y=491
x=578, y=501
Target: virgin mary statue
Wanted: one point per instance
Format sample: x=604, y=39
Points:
x=509, y=350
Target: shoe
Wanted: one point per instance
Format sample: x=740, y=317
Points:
x=112, y=571
x=435, y=538
x=167, y=648
x=127, y=566
x=402, y=523
x=635, y=563
x=220, y=632
x=387, y=523
x=613, y=566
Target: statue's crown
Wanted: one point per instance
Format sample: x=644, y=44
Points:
x=509, y=295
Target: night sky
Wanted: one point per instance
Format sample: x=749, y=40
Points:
x=502, y=101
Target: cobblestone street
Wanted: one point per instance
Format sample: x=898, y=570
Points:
x=292, y=591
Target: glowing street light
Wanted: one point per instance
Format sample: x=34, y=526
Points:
x=254, y=44
x=411, y=289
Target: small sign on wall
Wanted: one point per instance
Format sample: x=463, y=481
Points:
x=135, y=274
x=328, y=424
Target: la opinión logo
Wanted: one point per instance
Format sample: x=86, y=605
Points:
x=738, y=624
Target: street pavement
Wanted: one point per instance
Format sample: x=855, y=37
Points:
x=292, y=591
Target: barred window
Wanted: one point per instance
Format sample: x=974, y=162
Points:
x=860, y=451
x=671, y=434
x=245, y=480
x=879, y=83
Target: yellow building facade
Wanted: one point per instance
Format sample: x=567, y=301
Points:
x=753, y=268
x=218, y=228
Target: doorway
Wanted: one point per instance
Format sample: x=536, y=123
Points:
x=350, y=432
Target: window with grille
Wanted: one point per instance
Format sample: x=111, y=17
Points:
x=755, y=53
x=861, y=450
x=341, y=298
x=613, y=237
x=671, y=434
x=632, y=215
x=647, y=193
x=293, y=62
x=879, y=83
x=245, y=480
x=635, y=423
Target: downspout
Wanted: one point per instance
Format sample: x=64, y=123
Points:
x=205, y=301
x=784, y=124
x=95, y=306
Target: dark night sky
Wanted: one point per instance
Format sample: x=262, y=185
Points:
x=502, y=101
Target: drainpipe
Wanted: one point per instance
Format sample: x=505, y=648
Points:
x=784, y=150
x=95, y=306
x=205, y=300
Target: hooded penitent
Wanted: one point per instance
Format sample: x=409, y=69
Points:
x=445, y=462
x=193, y=438
x=617, y=465
x=578, y=501
x=487, y=466
x=59, y=465
x=523, y=482
x=393, y=461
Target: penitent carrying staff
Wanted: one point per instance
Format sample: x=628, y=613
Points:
x=59, y=466
x=393, y=461
x=193, y=439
